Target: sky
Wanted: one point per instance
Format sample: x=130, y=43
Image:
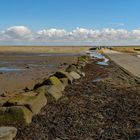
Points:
x=69, y=22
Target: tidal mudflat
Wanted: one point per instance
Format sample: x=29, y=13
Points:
x=22, y=67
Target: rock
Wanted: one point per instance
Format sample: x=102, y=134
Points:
x=42, y=89
x=63, y=74
x=53, y=80
x=83, y=59
x=74, y=68
x=7, y=133
x=71, y=68
x=83, y=74
x=53, y=92
x=34, y=103
x=15, y=114
x=64, y=81
x=27, y=67
x=3, y=100
x=75, y=75
x=81, y=64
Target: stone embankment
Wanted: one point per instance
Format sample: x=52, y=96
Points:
x=22, y=107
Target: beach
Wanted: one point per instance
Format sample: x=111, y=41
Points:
x=102, y=105
x=22, y=67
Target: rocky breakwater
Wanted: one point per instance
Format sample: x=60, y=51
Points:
x=22, y=107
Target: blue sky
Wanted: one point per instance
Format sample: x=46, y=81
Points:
x=70, y=14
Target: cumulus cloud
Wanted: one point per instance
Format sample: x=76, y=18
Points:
x=16, y=33
x=80, y=36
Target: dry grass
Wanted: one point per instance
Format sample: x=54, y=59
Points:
x=43, y=49
x=127, y=49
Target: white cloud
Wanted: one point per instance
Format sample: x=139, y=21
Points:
x=80, y=36
x=15, y=33
x=17, y=30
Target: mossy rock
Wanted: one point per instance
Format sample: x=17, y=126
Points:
x=42, y=89
x=63, y=74
x=3, y=100
x=34, y=103
x=7, y=133
x=53, y=80
x=82, y=59
x=53, y=93
x=75, y=75
x=81, y=64
x=71, y=68
x=64, y=81
x=74, y=68
x=15, y=114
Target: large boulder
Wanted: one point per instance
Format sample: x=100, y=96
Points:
x=15, y=114
x=7, y=133
x=3, y=100
x=81, y=64
x=75, y=75
x=63, y=74
x=75, y=68
x=33, y=103
x=53, y=93
x=83, y=59
x=64, y=81
x=53, y=80
x=72, y=68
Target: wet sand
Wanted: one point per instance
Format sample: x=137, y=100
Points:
x=19, y=71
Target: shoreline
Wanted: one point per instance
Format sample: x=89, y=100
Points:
x=23, y=72
x=90, y=108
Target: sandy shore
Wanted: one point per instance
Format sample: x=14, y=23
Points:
x=23, y=71
x=21, y=67
x=43, y=49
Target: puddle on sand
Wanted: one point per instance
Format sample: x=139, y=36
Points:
x=94, y=55
x=60, y=54
x=6, y=69
x=44, y=66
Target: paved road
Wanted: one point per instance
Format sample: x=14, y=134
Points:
x=127, y=61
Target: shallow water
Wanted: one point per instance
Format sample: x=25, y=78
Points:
x=7, y=69
x=43, y=65
x=60, y=54
x=94, y=55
